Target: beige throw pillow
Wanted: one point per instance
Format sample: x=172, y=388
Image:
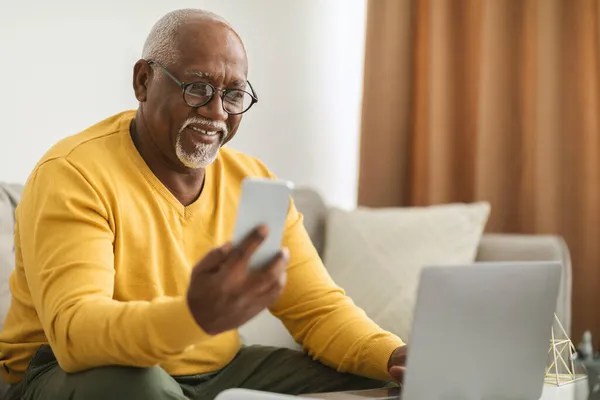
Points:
x=376, y=255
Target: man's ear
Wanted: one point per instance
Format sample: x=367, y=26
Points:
x=141, y=76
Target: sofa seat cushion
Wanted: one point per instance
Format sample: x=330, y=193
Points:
x=376, y=255
x=9, y=197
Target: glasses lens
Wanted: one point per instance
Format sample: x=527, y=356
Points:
x=198, y=94
x=236, y=101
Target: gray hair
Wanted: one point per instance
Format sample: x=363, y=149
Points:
x=161, y=43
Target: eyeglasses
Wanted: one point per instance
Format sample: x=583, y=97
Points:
x=198, y=94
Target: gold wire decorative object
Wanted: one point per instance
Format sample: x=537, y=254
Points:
x=561, y=371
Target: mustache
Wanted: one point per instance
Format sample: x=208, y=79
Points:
x=218, y=125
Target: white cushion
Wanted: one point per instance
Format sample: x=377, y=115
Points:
x=266, y=330
x=9, y=196
x=376, y=255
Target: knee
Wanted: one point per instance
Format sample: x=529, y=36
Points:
x=128, y=383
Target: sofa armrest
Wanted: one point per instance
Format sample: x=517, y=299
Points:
x=504, y=247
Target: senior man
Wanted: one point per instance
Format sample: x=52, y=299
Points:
x=126, y=286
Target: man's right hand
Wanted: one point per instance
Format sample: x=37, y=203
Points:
x=223, y=294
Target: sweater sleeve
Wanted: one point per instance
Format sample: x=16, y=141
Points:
x=66, y=241
x=323, y=319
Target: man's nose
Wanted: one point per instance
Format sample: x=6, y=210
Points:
x=214, y=109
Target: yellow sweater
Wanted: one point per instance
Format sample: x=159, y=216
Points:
x=103, y=259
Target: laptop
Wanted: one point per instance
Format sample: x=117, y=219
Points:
x=480, y=331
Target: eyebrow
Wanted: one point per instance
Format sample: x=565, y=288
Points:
x=239, y=84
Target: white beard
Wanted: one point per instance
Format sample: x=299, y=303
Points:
x=201, y=157
x=203, y=154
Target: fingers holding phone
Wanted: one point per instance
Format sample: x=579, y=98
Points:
x=235, y=282
x=270, y=280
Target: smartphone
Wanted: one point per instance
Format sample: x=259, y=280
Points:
x=263, y=202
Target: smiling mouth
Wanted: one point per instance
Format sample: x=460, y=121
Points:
x=205, y=132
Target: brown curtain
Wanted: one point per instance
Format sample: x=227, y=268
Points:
x=468, y=100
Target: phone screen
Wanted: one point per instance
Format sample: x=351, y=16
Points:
x=263, y=202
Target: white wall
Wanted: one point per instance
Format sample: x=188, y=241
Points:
x=66, y=64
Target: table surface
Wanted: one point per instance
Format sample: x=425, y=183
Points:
x=572, y=391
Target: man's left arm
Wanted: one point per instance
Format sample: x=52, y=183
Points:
x=323, y=319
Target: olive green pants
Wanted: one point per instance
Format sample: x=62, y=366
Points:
x=256, y=367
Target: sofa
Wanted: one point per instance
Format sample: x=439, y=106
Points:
x=265, y=329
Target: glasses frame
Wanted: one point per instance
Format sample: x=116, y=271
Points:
x=223, y=92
